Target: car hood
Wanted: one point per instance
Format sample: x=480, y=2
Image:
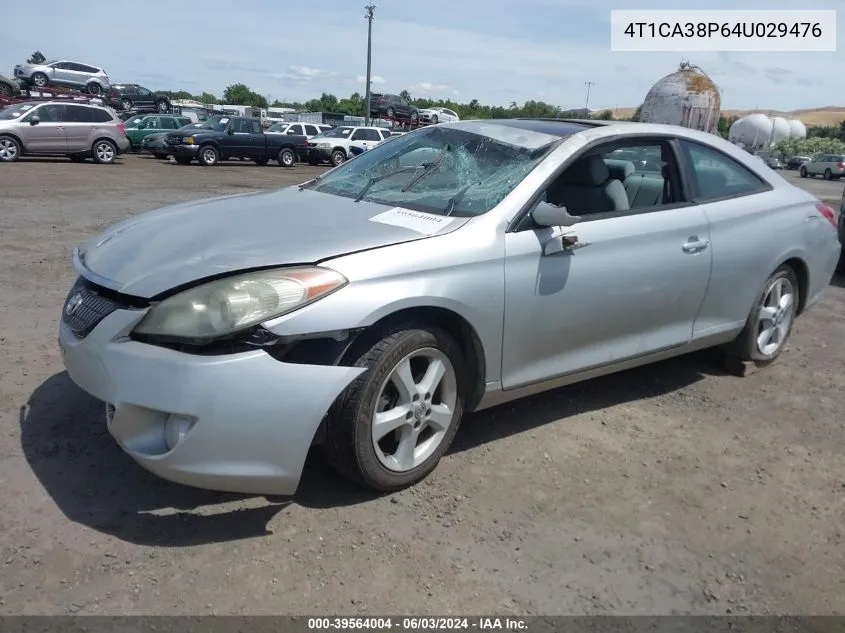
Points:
x=155, y=252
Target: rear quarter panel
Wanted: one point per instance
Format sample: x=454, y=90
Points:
x=751, y=237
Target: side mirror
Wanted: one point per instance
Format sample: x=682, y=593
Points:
x=291, y=132
x=545, y=214
x=230, y=130
x=35, y=120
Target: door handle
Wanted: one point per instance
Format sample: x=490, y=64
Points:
x=695, y=246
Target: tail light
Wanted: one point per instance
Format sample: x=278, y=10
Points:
x=841, y=165
x=828, y=212
x=122, y=127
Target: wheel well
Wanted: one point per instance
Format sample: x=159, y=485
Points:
x=339, y=149
x=803, y=274
x=14, y=136
x=103, y=138
x=454, y=324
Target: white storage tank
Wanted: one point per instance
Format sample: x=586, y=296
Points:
x=797, y=129
x=780, y=129
x=687, y=97
x=752, y=131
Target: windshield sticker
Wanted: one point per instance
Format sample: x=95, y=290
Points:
x=224, y=121
x=425, y=223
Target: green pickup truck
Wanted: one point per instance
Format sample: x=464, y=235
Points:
x=138, y=128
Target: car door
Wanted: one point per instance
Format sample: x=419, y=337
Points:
x=78, y=126
x=61, y=74
x=46, y=134
x=634, y=286
x=76, y=74
x=144, y=98
x=365, y=138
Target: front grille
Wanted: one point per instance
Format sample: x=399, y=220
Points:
x=85, y=308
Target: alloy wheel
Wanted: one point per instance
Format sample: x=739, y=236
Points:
x=415, y=409
x=775, y=317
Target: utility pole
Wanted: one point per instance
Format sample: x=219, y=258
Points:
x=589, y=84
x=371, y=9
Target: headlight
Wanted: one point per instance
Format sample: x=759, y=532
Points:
x=228, y=305
x=189, y=140
x=324, y=145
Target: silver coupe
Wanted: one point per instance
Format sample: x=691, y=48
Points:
x=451, y=269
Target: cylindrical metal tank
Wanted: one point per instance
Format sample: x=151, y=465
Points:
x=797, y=129
x=780, y=129
x=687, y=97
x=752, y=131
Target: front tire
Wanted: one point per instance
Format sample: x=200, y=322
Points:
x=39, y=80
x=803, y=172
x=10, y=149
x=338, y=157
x=770, y=322
x=163, y=106
x=390, y=427
x=5, y=90
x=94, y=89
x=104, y=152
x=208, y=156
x=828, y=175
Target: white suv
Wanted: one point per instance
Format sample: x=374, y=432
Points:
x=343, y=142
x=828, y=166
x=308, y=130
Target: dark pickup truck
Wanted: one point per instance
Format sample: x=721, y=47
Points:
x=223, y=137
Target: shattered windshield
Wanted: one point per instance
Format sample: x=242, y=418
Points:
x=446, y=170
x=215, y=123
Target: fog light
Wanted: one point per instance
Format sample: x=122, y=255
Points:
x=176, y=428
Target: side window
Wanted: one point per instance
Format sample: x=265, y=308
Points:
x=366, y=135
x=385, y=133
x=51, y=113
x=168, y=123
x=78, y=114
x=617, y=179
x=255, y=127
x=240, y=126
x=87, y=69
x=143, y=91
x=311, y=130
x=100, y=116
x=716, y=175
x=80, y=68
x=296, y=128
x=62, y=66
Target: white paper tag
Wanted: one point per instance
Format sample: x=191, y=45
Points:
x=425, y=223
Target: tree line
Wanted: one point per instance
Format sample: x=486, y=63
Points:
x=829, y=139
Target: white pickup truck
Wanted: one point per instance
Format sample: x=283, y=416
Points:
x=335, y=146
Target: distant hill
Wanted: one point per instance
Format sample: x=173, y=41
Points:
x=826, y=116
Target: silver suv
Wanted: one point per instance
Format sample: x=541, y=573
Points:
x=829, y=166
x=63, y=72
x=57, y=128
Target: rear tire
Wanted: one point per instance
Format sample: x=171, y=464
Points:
x=338, y=157
x=208, y=156
x=126, y=104
x=94, y=89
x=163, y=106
x=828, y=175
x=286, y=157
x=803, y=172
x=104, y=152
x=10, y=149
x=5, y=90
x=770, y=321
x=426, y=418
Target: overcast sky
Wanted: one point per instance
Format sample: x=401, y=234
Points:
x=495, y=51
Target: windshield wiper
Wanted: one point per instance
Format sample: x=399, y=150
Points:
x=428, y=168
x=454, y=200
x=376, y=179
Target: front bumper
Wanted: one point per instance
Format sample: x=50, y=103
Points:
x=183, y=150
x=250, y=419
x=318, y=154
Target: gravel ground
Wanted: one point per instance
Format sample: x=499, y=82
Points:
x=673, y=488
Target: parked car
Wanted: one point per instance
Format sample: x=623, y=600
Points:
x=91, y=79
x=773, y=162
x=392, y=106
x=152, y=124
x=9, y=87
x=438, y=115
x=449, y=270
x=309, y=130
x=224, y=137
x=335, y=146
x=796, y=161
x=829, y=166
x=841, y=265
x=58, y=128
x=156, y=143
x=133, y=96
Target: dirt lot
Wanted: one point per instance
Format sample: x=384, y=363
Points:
x=674, y=488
